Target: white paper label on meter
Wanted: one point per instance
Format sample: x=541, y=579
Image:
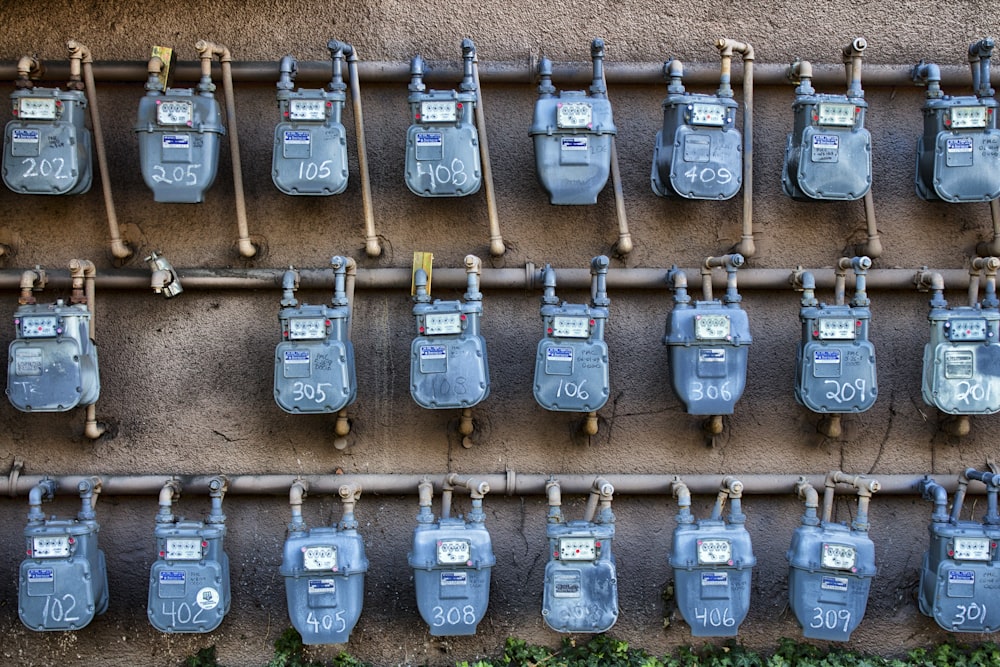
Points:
x=36, y=108
x=838, y=556
x=50, y=546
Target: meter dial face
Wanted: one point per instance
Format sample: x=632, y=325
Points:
x=35, y=108
x=173, y=112
x=967, y=329
x=445, y=111
x=50, y=546
x=572, y=115
x=972, y=548
x=835, y=113
x=442, y=323
x=40, y=326
x=319, y=558
x=570, y=327
x=306, y=110
x=963, y=117
x=838, y=556
x=306, y=328
x=454, y=552
x=714, y=552
x=836, y=328
x=577, y=548
x=182, y=548
x=711, y=327
x=707, y=114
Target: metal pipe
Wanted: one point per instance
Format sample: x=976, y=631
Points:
x=624, y=244
x=974, y=278
x=83, y=269
x=350, y=494
x=31, y=281
x=497, y=247
x=554, y=498
x=727, y=47
x=44, y=490
x=807, y=492
x=170, y=493
x=296, y=493
x=931, y=490
x=425, y=494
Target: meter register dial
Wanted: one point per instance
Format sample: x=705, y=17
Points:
x=454, y=552
x=707, y=114
x=319, y=558
x=173, y=112
x=972, y=548
x=182, y=548
x=836, y=328
x=839, y=556
x=437, y=111
x=835, y=113
x=967, y=329
x=306, y=110
x=963, y=117
x=40, y=326
x=577, y=548
x=714, y=552
x=50, y=546
x=570, y=327
x=711, y=327
x=573, y=115
x=34, y=108
x=442, y=323
x=306, y=328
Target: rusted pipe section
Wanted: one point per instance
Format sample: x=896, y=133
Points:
x=727, y=47
x=296, y=493
x=83, y=274
x=624, y=244
x=31, y=281
x=28, y=68
x=497, y=247
x=345, y=277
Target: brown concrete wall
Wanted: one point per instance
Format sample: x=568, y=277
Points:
x=186, y=383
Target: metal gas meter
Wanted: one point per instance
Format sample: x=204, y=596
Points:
x=324, y=569
x=699, y=152
x=189, y=580
x=571, y=366
x=835, y=361
x=961, y=568
x=452, y=560
x=46, y=146
x=179, y=131
x=314, y=363
x=829, y=151
x=961, y=369
x=448, y=367
x=712, y=560
x=442, y=144
x=581, y=580
x=831, y=565
x=958, y=155
x=708, y=341
x=63, y=581
x=572, y=133
x=310, y=144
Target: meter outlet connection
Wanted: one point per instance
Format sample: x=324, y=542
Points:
x=189, y=580
x=572, y=133
x=324, y=569
x=580, y=593
x=63, y=581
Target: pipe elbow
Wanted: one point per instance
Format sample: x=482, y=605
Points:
x=681, y=492
x=92, y=429
x=297, y=492
x=730, y=46
x=425, y=493
x=473, y=264
x=931, y=280
x=349, y=492
x=159, y=279
x=732, y=486
x=856, y=47
x=674, y=68
x=208, y=50
x=805, y=491
x=798, y=70
x=82, y=268
x=79, y=51
x=553, y=493
x=26, y=65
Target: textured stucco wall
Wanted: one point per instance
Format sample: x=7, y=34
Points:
x=186, y=383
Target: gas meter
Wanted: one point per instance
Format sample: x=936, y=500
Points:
x=831, y=565
x=572, y=133
x=835, y=361
x=571, y=366
x=324, y=569
x=46, y=146
x=829, y=152
x=708, y=342
x=310, y=145
x=961, y=370
x=314, y=363
x=448, y=366
x=179, y=131
x=958, y=155
x=63, y=581
x=52, y=363
x=442, y=144
x=712, y=560
x=452, y=560
x=189, y=580
x=699, y=152
x=581, y=580
x=961, y=568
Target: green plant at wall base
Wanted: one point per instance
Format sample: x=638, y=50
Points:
x=203, y=658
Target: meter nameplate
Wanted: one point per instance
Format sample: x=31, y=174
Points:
x=570, y=327
x=959, y=364
x=574, y=115
x=836, y=328
x=454, y=552
x=967, y=329
x=174, y=112
x=20, y=136
x=567, y=584
x=439, y=111
x=442, y=323
x=714, y=552
x=50, y=546
x=182, y=548
x=837, y=114
x=711, y=327
x=959, y=152
x=307, y=110
x=577, y=548
x=302, y=328
x=825, y=148
x=322, y=557
x=834, y=584
x=713, y=115
x=839, y=556
x=44, y=326
x=965, y=117
x=35, y=108
x=972, y=548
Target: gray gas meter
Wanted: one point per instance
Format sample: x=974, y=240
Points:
x=448, y=367
x=310, y=144
x=708, y=342
x=572, y=133
x=961, y=568
x=829, y=151
x=47, y=146
x=442, y=144
x=314, y=363
x=452, y=560
x=835, y=361
x=958, y=154
x=699, y=152
x=581, y=580
x=831, y=565
x=179, y=131
x=63, y=581
x=571, y=366
x=712, y=560
x=324, y=569
x=52, y=362
x=189, y=580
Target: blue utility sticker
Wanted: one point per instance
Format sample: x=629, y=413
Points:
x=834, y=584
x=172, y=576
x=433, y=352
x=961, y=577
x=559, y=354
x=826, y=356
x=454, y=578
x=714, y=354
x=297, y=137
x=40, y=575
x=24, y=136
x=575, y=143
x=429, y=139
x=296, y=356
x=714, y=578
x=960, y=145
x=826, y=141
x=317, y=586
x=176, y=141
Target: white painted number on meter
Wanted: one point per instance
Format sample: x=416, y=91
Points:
x=34, y=108
x=174, y=113
x=970, y=329
x=972, y=548
x=451, y=552
x=300, y=328
x=962, y=117
x=707, y=114
x=319, y=558
x=182, y=548
x=571, y=327
x=839, y=556
x=306, y=110
x=45, y=326
x=833, y=113
x=711, y=327
x=439, y=112
x=55, y=546
x=574, y=115
x=442, y=323
x=577, y=548
x=714, y=552
x=836, y=328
